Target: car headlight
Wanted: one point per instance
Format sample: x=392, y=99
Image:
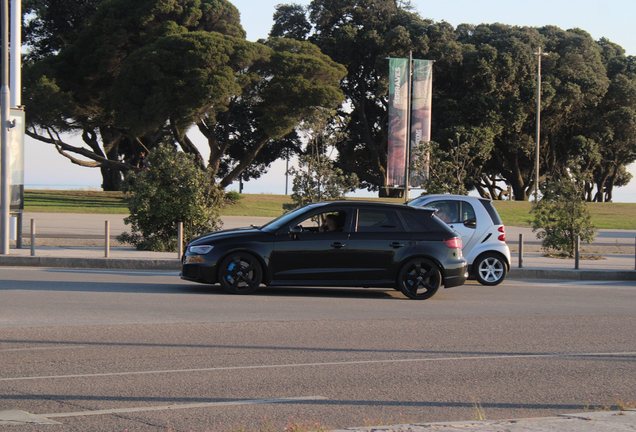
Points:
x=200, y=249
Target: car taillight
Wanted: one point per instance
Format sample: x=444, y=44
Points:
x=502, y=230
x=454, y=243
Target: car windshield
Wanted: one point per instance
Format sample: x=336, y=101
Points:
x=281, y=221
x=416, y=201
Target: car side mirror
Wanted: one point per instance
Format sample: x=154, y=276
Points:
x=295, y=230
x=470, y=223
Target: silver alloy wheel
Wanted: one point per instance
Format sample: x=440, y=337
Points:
x=490, y=270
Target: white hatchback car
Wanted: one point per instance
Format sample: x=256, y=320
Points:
x=483, y=233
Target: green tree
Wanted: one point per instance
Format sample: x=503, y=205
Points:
x=613, y=126
x=452, y=168
x=492, y=89
x=317, y=178
x=560, y=216
x=485, y=79
x=53, y=24
x=185, y=195
x=198, y=70
x=361, y=34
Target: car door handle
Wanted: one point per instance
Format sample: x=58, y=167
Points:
x=396, y=245
x=337, y=245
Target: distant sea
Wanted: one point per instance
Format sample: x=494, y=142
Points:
x=64, y=187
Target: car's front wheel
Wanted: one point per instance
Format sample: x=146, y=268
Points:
x=419, y=279
x=240, y=273
x=490, y=269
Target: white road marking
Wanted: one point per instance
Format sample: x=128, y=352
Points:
x=181, y=406
x=40, y=348
x=106, y=271
x=117, y=271
x=297, y=365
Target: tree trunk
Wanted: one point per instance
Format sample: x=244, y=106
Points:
x=111, y=179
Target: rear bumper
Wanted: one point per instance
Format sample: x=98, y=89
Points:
x=456, y=275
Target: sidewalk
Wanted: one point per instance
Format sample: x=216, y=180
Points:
x=610, y=421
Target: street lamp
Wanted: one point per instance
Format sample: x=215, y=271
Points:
x=539, y=54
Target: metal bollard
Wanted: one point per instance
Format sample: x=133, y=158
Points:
x=32, y=237
x=520, y=250
x=180, y=240
x=107, y=239
x=18, y=240
x=577, y=244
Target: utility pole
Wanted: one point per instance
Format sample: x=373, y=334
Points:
x=5, y=191
x=539, y=54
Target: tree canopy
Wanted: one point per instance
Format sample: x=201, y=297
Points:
x=129, y=75
x=126, y=76
x=484, y=90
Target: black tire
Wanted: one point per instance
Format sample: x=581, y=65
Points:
x=419, y=279
x=240, y=273
x=490, y=269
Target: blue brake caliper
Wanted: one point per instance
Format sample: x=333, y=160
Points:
x=231, y=267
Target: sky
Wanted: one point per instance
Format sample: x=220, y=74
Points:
x=612, y=19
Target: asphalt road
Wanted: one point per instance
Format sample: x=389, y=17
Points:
x=158, y=354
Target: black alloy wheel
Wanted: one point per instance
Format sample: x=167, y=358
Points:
x=240, y=273
x=419, y=279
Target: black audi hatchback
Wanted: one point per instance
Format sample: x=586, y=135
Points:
x=334, y=243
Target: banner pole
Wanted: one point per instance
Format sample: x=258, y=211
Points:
x=407, y=150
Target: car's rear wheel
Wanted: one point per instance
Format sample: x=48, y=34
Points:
x=419, y=279
x=490, y=269
x=240, y=273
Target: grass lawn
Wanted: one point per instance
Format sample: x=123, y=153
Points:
x=513, y=213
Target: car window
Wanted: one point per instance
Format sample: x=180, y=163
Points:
x=468, y=212
x=447, y=210
x=379, y=221
x=413, y=223
x=491, y=211
x=283, y=220
x=330, y=221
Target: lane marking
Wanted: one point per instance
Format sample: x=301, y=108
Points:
x=298, y=365
x=118, y=271
x=40, y=348
x=182, y=406
x=106, y=271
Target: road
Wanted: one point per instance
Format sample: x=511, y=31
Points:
x=144, y=351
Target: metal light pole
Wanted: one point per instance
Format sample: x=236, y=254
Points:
x=15, y=61
x=539, y=54
x=5, y=200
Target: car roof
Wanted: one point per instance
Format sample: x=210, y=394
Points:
x=362, y=203
x=451, y=196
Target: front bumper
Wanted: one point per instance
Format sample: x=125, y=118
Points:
x=196, y=269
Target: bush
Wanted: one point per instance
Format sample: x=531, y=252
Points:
x=232, y=197
x=560, y=216
x=171, y=190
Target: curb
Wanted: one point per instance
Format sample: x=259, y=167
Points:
x=91, y=263
x=563, y=274
x=586, y=421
